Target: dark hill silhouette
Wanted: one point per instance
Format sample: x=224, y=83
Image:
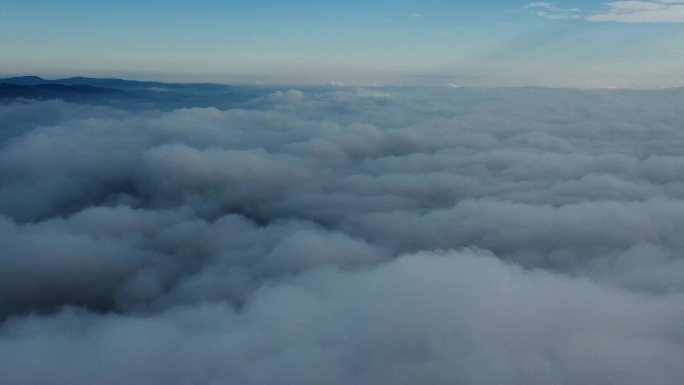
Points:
x=106, y=83
x=51, y=91
x=127, y=94
x=25, y=80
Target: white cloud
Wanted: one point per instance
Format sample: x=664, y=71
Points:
x=641, y=12
x=549, y=11
x=663, y=11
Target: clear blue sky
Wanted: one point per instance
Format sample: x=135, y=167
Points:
x=430, y=42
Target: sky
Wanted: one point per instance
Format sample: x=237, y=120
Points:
x=428, y=42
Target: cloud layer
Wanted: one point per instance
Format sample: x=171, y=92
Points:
x=442, y=236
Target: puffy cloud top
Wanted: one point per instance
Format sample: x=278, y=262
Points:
x=437, y=236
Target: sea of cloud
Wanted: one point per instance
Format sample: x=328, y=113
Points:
x=358, y=236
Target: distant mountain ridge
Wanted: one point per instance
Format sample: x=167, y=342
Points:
x=25, y=80
x=103, y=82
x=71, y=92
x=127, y=94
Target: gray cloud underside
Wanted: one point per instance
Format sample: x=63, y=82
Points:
x=511, y=236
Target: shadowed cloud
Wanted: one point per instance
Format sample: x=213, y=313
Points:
x=366, y=236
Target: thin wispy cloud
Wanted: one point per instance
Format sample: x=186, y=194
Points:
x=642, y=12
x=663, y=11
x=550, y=11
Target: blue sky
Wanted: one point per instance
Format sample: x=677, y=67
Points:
x=427, y=42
